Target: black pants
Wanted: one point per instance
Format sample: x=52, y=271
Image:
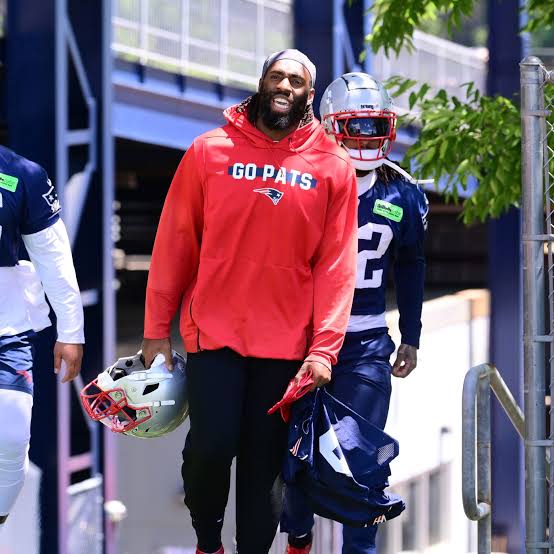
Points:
x=229, y=396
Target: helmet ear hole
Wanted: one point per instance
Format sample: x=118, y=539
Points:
x=150, y=388
x=117, y=373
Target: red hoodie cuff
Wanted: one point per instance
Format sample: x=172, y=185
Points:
x=321, y=358
x=158, y=315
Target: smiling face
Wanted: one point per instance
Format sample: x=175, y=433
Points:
x=285, y=91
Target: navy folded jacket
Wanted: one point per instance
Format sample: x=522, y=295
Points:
x=340, y=461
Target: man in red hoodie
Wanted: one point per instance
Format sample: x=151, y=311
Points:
x=257, y=245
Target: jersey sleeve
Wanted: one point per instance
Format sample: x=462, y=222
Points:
x=417, y=210
x=50, y=253
x=41, y=207
x=409, y=269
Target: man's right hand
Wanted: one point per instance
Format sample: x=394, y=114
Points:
x=72, y=355
x=320, y=373
x=151, y=347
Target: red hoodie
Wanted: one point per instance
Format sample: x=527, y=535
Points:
x=257, y=242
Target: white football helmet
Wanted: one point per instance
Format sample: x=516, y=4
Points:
x=140, y=402
x=357, y=107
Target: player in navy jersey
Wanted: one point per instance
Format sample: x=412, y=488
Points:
x=30, y=213
x=392, y=218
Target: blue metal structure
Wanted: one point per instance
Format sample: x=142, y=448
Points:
x=156, y=107
x=505, y=285
x=54, y=118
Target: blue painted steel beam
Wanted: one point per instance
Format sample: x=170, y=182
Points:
x=315, y=22
x=156, y=107
x=505, y=285
x=313, y=29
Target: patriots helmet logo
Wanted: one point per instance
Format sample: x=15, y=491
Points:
x=273, y=194
x=51, y=198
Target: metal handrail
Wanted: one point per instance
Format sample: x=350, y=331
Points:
x=476, y=444
x=507, y=401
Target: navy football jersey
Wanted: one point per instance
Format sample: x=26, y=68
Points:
x=391, y=225
x=28, y=203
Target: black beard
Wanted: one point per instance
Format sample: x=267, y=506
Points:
x=276, y=121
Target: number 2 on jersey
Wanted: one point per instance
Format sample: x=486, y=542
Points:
x=374, y=239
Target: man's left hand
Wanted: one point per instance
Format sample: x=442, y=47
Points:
x=406, y=361
x=72, y=355
x=320, y=372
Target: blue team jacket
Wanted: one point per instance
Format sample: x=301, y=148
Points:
x=340, y=461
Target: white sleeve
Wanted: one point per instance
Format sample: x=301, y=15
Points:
x=50, y=253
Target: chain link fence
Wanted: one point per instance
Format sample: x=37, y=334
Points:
x=548, y=172
x=537, y=116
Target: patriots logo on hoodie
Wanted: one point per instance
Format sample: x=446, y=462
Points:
x=273, y=194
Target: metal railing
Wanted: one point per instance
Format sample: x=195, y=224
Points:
x=441, y=63
x=208, y=39
x=217, y=40
x=67, y=55
x=80, y=511
x=476, y=444
x=537, y=124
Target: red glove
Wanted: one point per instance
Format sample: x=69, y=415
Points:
x=292, y=394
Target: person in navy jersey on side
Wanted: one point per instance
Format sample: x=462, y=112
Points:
x=357, y=112
x=30, y=213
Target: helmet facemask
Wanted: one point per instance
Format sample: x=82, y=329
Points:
x=370, y=134
x=110, y=406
